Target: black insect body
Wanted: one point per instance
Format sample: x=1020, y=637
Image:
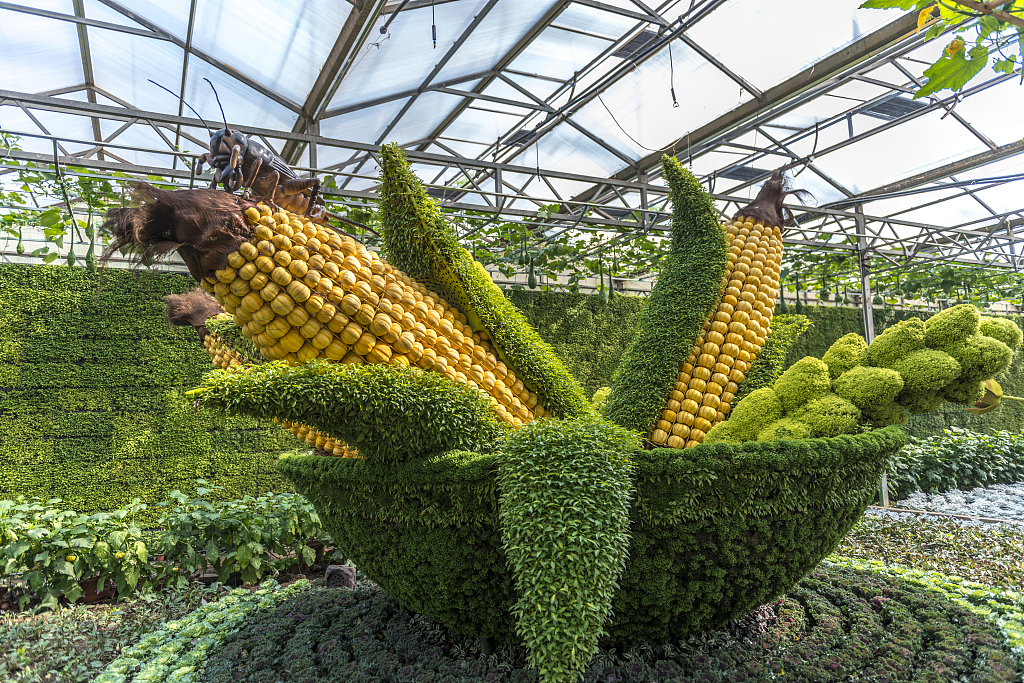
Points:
x=243, y=164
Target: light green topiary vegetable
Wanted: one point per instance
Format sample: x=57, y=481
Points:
x=981, y=357
x=897, y=342
x=1002, y=329
x=927, y=369
x=847, y=352
x=786, y=428
x=866, y=386
x=749, y=417
x=885, y=414
x=806, y=379
x=918, y=401
x=951, y=327
x=828, y=415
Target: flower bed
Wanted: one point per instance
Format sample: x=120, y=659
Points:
x=1001, y=501
x=178, y=652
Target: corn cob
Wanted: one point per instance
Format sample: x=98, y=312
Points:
x=301, y=292
x=731, y=337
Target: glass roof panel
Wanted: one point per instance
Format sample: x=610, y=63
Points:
x=497, y=34
x=567, y=149
x=30, y=64
x=241, y=103
x=987, y=112
x=558, y=54
x=499, y=88
x=56, y=123
x=141, y=135
x=481, y=126
x=642, y=104
x=425, y=114
x=111, y=51
x=287, y=42
x=403, y=58
x=360, y=125
x=596, y=21
x=94, y=9
x=171, y=17
x=897, y=152
x=540, y=87
x=754, y=26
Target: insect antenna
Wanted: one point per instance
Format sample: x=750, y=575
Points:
x=185, y=103
x=218, y=103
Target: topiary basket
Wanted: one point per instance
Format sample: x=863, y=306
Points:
x=716, y=530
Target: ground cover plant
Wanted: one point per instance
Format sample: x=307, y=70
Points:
x=957, y=459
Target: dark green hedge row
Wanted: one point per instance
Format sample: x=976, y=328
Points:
x=92, y=405
x=591, y=337
x=715, y=530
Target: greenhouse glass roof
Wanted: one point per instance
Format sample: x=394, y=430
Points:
x=524, y=105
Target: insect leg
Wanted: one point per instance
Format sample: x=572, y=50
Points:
x=252, y=175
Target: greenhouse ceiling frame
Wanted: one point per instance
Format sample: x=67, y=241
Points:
x=621, y=206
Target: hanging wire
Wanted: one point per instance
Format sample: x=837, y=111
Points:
x=810, y=157
x=672, y=76
x=433, y=24
x=621, y=128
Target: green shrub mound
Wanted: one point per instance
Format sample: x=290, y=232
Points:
x=419, y=241
x=847, y=352
x=1001, y=329
x=839, y=623
x=564, y=517
x=897, y=342
x=828, y=415
x=806, y=379
x=771, y=359
x=927, y=370
x=715, y=530
x=965, y=393
x=885, y=414
x=952, y=327
x=387, y=412
x=761, y=407
x=919, y=402
x=688, y=287
x=866, y=387
x=785, y=428
x=981, y=357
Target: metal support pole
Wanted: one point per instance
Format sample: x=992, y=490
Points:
x=865, y=301
x=313, y=129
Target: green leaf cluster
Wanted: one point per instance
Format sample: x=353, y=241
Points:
x=387, y=412
x=564, y=515
x=420, y=242
x=686, y=292
x=771, y=360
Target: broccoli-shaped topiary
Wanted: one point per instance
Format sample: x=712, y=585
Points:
x=951, y=327
x=1002, y=329
x=896, y=342
x=918, y=401
x=866, y=386
x=847, y=352
x=786, y=428
x=828, y=415
x=981, y=357
x=963, y=392
x=883, y=415
x=806, y=379
x=927, y=370
x=600, y=397
x=749, y=417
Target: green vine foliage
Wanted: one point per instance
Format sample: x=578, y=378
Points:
x=387, y=412
x=564, y=509
x=771, y=361
x=420, y=242
x=687, y=290
x=92, y=396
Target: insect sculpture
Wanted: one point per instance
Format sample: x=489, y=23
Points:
x=240, y=163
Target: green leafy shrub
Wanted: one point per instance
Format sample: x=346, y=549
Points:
x=785, y=428
x=951, y=327
x=920, y=401
x=897, y=342
x=828, y=415
x=748, y=418
x=771, y=360
x=686, y=292
x=886, y=414
x=848, y=352
x=387, y=412
x=981, y=357
x=53, y=550
x=804, y=380
x=564, y=516
x=867, y=387
x=926, y=370
x=600, y=397
x=419, y=241
x=957, y=459
x=1001, y=329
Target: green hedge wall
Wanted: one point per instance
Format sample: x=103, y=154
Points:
x=591, y=337
x=92, y=406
